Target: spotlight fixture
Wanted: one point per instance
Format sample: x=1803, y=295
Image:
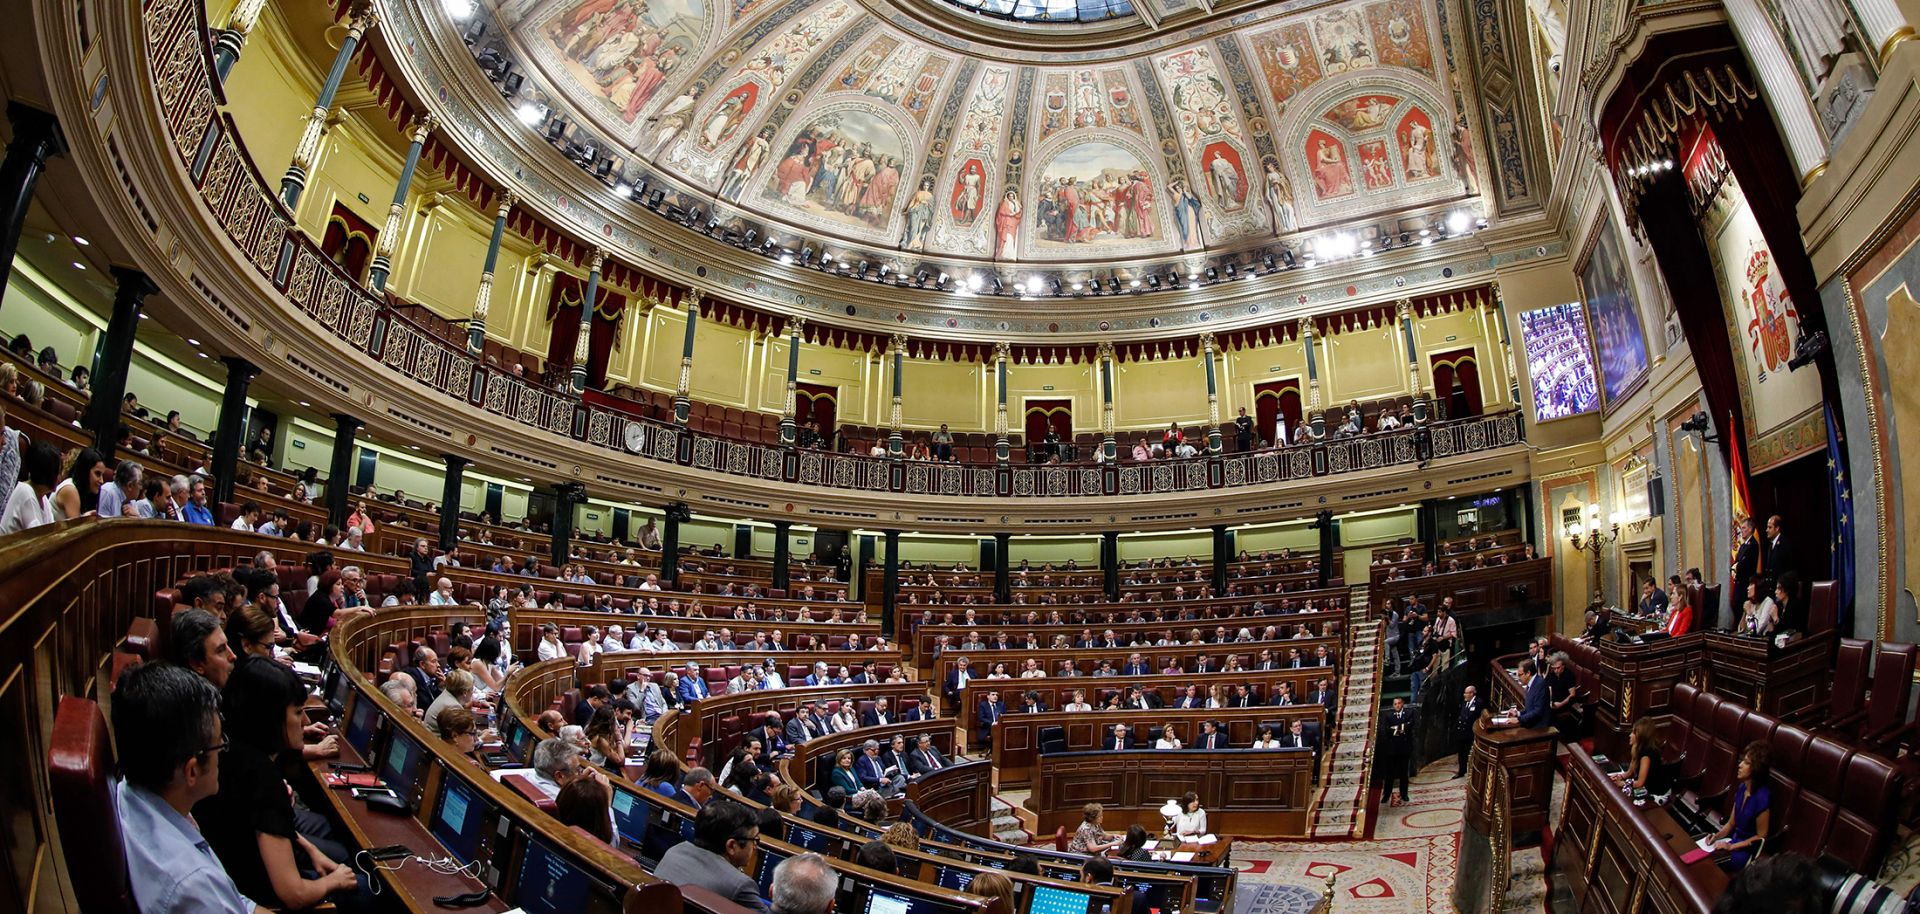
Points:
x=1076, y=285
x=1113, y=284
x=623, y=190
x=865, y=267
x=1286, y=257
x=1055, y=283
x=1480, y=223
x=1133, y=284
x=942, y=281
x=1457, y=222
x=476, y=30
x=510, y=83
x=974, y=282
x=603, y=168
x=1809, y=347
x=640, y=187
x=459, y=10
x=656, y=199
x=1153, y=281
x=530, y=114
x=1213, y=275
x=556, y=129
x=998, y=288
x=750, y=237
x=786, y=257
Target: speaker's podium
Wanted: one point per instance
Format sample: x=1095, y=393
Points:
x=1510, y=786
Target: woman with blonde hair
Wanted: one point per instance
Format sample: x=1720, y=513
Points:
x=997, y=889
x=901, y=835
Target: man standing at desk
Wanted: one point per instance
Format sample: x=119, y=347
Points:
x=1746, y=566
x=1537, y=712
x=1470, y=708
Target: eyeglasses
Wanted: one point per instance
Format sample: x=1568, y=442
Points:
x=214, y=749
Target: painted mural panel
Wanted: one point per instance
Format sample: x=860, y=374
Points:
x=1615, y=313
x=1327, y=159
x=1287, y=59
x=843, y=166
x=620, y=53
x=1399, y=30
x=1093, y=193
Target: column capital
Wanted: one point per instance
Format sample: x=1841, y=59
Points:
x=422, y=126
x=507, y=201
x=1002, y=350
x=344, y=422
x=36, y=129
x=236, y=365
x=596, y=260
x=1403, y=307
x=455, y=462
x=796, y=327
x=692, y=298
x=1306, y=328
x=897, y=343
x=1207, y=341
x=1106, y=350
x=361, y=16
x=132, y=282
x=783, y=525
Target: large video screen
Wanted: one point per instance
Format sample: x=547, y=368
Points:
x=1560, y=361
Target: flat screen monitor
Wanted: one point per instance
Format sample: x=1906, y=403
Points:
x=458, y=818
x=1049, y=899
x=808, y=838
x=630, y=813
x=519, y=741
x=1560, y=361
x=955, y=878
x=400, y=770
x=549, y=883
x=1155, y=894
x=362, y=725
x=769, y=858
x=879, y=900
x=1062, y=873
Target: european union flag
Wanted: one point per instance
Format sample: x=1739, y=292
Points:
x=1842, y=502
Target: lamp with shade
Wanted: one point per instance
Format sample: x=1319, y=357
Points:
x=1170, y=812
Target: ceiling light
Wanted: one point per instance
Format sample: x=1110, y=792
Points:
x=623, y=190
x=786, y=257
x=81, y=241
x=1457, y=222
x=192, y=342
x=78, y=265
x=202, y=354
x=1076, y=285
x=1133, y=284
x=458, y=9
x=1425, y=232
x=974, y=282
x=529, y=113
x=305, y=403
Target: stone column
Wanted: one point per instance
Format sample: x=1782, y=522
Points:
x=450, y=501
x=483, y=299
x=1506, y=345
x=227, y=44
x=1780, y=81
x=1329, y=543
x=1414, y=379
x=1002, y=574
x=682, y=392
x=1317, y=421
x=583, y=343
x=896, y=445
x=1109, y=448
x=1002, y=449
x=231, y=428
x=1110, y=563
x=1885, y=26
x=566, y=495
x=340, y=470
x=36, y=136
x=782, y=554
x=1222, y=557
x=789, y=430
x=1214, y=443
x=116, y=350
x=890, y=574
x=390, y=233
x=670, y=542
x=295, y=181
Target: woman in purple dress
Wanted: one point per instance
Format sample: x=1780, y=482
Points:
x=1747, y=824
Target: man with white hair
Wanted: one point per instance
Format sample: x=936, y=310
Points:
x=443, y=594
x=644, y=694
x=616, y=639
x=355, y=541
x=804, y=885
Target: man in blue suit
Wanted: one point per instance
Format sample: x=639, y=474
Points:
x=871, y=771
x=819, y=676
x=1136, y=666
x=693, y=686
x=1537, y=712
x=991, y=709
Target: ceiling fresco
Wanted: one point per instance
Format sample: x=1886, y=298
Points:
x=830, y=127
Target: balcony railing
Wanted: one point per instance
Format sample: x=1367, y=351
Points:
x=250, y=212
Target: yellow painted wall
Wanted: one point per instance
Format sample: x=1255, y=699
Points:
x=1248, y=368
x=1149, y=395
x=1297, y=537
x=1068, y=382
x=1363, y=365
x=441, y=263
x=960, y=394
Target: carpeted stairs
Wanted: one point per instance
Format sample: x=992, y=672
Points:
x=1340, y=811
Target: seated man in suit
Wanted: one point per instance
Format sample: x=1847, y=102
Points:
x=806, y=724
x=693, y=686
x=873, y=773
x=724, y=835
x=894, y=755
x=1120, y=740
x=1191, y=698
x=1210, y=736
x=1136, y=666
x=819, y=676
x=991, y=709
x=426, y=674
x=925, y=758
x=1142, y=699
x=1296, y=736
x=877, y=716
x=921, y=711
x=1030, y=703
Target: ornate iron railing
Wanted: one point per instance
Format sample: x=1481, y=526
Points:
x=264, y=235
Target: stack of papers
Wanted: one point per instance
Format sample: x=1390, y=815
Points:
x=1182, y=857
x=1205, y=840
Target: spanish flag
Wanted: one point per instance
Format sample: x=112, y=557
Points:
x=1737, y=485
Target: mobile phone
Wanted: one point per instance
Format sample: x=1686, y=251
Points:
x=361, y=793
x=390, y=852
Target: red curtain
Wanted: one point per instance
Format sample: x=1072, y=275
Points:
x=816, y=405
x=349, y=242
x=563, y=316
x=1456, y=383
x=1044, y=414
x=1272, y=402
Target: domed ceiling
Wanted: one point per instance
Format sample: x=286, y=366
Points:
x=845, y=124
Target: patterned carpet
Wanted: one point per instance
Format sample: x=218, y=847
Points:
x=1407, y=868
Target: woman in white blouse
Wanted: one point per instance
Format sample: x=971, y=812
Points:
x=1216, y=696
x=1192, y=820
x=1266, y=740
x=590, y=646
x=550, y=646
x=844, y=719
x=1079, y=703
x=999, y=672
x=1168, y=739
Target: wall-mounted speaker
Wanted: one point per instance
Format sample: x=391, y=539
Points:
x=1657, y=496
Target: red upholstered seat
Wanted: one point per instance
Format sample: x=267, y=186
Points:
x=143, y=638
x=80, y=774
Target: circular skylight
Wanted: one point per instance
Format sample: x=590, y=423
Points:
x=1050, y=10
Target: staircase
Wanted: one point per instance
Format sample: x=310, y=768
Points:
x=1008, y=827
x=1340, y=810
